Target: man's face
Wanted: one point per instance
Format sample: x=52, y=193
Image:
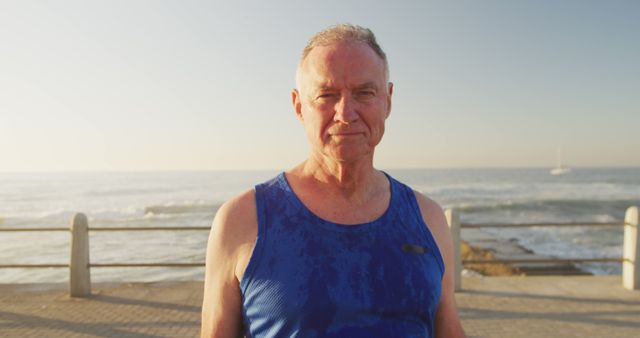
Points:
x=343, y=100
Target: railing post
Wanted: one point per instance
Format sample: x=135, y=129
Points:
x=453, y=219
x=631, y=250
x=79, y=273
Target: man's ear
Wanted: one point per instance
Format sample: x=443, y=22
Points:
x=389, y=95
x=297, y=105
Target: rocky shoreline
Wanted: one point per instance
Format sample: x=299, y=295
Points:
x=480, y=245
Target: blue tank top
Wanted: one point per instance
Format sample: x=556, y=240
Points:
x=308, y=277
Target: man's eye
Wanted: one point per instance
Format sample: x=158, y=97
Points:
x=326, y=96
x=366, y=93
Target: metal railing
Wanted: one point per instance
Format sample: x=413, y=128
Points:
x=631, y=246
x=107, y=265
x=79, y=266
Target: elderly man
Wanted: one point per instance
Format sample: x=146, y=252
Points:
x=333, y=247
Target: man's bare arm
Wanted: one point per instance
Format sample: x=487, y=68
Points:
x=447, y=321
x=230, y=245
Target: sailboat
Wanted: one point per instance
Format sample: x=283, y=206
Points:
x=560, y=169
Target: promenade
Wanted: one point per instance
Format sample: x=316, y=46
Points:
x=549, y=306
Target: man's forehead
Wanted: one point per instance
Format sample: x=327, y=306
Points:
x=357, y=63
x=343, y=52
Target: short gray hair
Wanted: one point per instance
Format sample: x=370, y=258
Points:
x=346, y=33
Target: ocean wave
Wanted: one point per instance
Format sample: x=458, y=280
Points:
x=565, y=242
x=187, y=208
x=568, y=205
x=53, y=214
x=107, y=192
x=116, y=212
x=154, y=216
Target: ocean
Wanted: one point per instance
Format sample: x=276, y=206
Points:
x=176, y=199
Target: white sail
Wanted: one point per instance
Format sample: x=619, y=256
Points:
x=560, y=169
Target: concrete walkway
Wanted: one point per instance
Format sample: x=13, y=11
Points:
x=581, y=306
x=549, y=306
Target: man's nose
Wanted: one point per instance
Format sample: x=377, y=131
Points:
x=345, y=111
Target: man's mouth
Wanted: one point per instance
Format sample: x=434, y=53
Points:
x=346, y=133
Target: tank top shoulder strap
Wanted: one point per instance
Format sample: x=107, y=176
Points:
x=264, y=194
x=406, y=203
x=404, y=200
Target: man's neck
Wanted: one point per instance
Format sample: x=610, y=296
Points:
x=344, y=193
x=355, y=181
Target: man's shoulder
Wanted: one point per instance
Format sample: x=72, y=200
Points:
x=427, y=205
x=236, y=219
x=242, y=207
x=238, y=206
x=433, y=216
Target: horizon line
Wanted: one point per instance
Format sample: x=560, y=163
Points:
x=80, y=171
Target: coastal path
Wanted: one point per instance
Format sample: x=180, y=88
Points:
x=515, y=306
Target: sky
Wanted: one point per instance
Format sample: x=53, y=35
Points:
x=205, y=85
